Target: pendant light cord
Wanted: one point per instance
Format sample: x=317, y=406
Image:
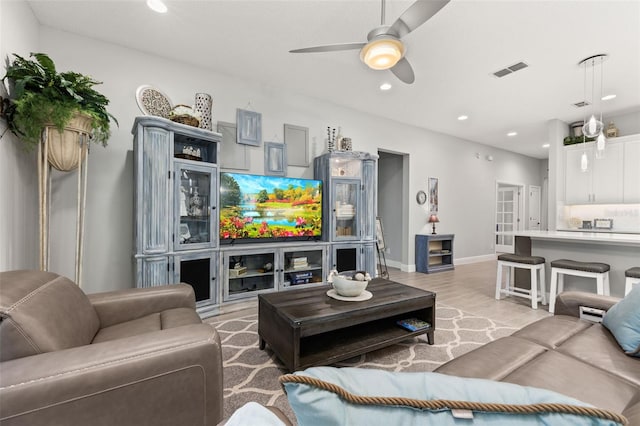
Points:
x=584, y=138
x=601, y=90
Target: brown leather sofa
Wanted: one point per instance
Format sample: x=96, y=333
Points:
x=131, y=357
x=565, y=354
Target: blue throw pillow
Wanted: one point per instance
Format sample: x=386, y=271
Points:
x=355, y=396
x=623, y=321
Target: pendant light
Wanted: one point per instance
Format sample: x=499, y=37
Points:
x=592, y=127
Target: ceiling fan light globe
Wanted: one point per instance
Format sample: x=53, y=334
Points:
x=382, y=54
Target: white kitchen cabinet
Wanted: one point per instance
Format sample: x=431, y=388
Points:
x=631, y=187
x=602, y=182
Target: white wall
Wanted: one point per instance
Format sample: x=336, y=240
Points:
x=467, y=184
x=18, y=172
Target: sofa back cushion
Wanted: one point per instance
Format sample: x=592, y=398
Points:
x=42, y=312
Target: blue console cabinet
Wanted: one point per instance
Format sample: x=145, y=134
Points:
x=434, y=252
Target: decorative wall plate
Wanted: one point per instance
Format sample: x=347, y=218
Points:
x=152, y=101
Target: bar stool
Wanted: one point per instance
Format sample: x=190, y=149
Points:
x=562, y=267
x=632, y=278
x=535, y=264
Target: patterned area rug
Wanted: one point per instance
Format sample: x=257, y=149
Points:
x=251, y=374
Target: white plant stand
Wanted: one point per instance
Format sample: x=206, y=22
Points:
x=44, y=199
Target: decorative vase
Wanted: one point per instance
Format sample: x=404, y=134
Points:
x=345, y=144
x=66, y=149
x=195, y=204
x=204, y=105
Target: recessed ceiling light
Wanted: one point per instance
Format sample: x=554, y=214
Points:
x=546, y=145
x=608, y=97
x=512, y=134
x=385, y=86
x=157, y=6
x=462, y=117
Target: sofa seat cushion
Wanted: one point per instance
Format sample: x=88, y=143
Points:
x=597, y=347
x=553, y=331
x=567, y=375
x=505, y=355
x=170, y=318
x=43, y=312
x=345, y=396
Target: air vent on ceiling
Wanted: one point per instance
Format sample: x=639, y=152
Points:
x=581, y=104
x=510, y=69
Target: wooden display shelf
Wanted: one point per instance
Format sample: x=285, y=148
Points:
x=434, y=252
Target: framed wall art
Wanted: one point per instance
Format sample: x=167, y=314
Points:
x=275, y=159
x=296, y=138
x=232, y=155
x=249, y=129
x=433, y=195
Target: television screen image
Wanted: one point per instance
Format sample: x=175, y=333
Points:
x=269, y=207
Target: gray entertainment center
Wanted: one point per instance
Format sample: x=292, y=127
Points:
x=177, y=213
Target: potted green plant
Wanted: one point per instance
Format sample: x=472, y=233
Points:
x=65, y=104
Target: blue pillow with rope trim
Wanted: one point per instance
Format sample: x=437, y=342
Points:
x=358, y=396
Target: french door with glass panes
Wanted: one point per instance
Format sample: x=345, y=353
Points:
x=506, y=218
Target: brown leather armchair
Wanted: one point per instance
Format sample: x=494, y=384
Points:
x=132, y=357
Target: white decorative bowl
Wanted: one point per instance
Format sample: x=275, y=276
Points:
x=347, y=287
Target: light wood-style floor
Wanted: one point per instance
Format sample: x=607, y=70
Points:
x=470, y=288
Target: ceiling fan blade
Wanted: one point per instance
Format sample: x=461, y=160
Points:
x=403, y=71
x=417, y=14
x=330, y=48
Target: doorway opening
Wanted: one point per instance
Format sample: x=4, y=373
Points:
x=393, y=206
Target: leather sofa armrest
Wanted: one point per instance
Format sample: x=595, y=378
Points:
x=115, y=307
x=165, y=377
x=569, y=302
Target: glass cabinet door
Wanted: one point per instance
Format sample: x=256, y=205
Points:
x=248, y=273
x=345, y=209
x=303, y=266
x=195, y=199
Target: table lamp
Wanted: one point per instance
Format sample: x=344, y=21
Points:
x=434, y=219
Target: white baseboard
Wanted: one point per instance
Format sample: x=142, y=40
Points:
x=399, y=265
x=461, y=261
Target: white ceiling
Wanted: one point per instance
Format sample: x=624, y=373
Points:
x=454, y=55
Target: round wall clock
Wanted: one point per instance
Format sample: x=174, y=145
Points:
x=421, y=197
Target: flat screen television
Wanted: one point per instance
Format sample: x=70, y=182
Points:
x=269, y=208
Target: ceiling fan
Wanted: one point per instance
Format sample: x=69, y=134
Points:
x=384, y=48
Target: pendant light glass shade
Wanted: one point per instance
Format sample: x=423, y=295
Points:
x=593, y=127
x=584, y=162
x=600, y=145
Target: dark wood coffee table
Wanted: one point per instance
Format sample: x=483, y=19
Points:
x=305, y=327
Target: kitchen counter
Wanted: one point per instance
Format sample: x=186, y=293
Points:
x=620, y=251
x=601, y=231
x=584, y=237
